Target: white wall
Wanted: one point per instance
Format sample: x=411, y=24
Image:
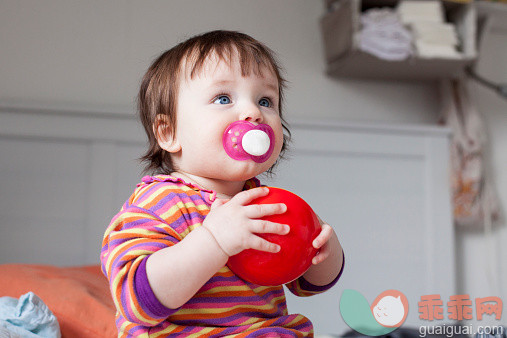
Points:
x=90, y=56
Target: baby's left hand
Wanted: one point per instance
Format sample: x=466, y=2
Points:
x=322, y=243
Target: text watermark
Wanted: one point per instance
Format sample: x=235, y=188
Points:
x=452, y=330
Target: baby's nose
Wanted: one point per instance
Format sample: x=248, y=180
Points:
x=252, y=114
x=254, y=120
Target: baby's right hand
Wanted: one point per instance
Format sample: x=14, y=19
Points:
x=234, y=223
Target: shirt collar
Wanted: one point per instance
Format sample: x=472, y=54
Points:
x=208, y=195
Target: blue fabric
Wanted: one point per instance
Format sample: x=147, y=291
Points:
x=28, y=316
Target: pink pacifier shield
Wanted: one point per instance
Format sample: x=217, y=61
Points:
x=233, y=141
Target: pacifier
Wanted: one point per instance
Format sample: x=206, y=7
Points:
x=244, y=140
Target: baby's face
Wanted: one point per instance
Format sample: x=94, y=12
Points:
x=216, y=97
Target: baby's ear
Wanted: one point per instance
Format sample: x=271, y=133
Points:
x=164, y=135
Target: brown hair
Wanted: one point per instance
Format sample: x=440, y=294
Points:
x=159, y=87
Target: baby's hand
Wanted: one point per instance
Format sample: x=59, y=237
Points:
x=234, y=223
x=322, y=243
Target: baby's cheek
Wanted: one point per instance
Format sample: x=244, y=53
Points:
x=279, y=137
x=277, y=149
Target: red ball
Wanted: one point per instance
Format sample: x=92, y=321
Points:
x=296, y=253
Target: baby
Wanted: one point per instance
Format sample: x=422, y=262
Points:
x=165, y=252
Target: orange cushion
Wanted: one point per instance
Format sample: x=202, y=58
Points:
x=78, y=296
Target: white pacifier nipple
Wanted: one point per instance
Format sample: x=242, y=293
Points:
x=255, y=142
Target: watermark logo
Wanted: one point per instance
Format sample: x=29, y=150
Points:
x=387, y=312
x=459, y=307
x=390, y=308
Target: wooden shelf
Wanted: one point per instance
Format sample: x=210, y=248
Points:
x=363, y=65
x=341, y=25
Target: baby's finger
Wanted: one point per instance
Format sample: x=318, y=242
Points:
x=218, y=202
x=323, y=237
x=320, y=257
x=265, y=227
x=261, y=210
x=248, y=196
x=261, y=244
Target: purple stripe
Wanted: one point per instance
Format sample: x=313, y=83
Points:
x=141, y=223
x=282, y=320
x=307, y=286
x=169, y=199
x=220, y=279
x=305, y=326
x=145, y=295
x=234, y=299
x=270, y=330
x=195, y=198
x=191, y=216
x=136, y=331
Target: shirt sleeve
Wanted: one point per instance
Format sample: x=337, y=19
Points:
x=133, y=235
x=303, y=288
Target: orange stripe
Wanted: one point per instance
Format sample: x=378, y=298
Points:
x=172, y=329
x=214, y=315
x=128, y=328
x=164, y=190
x=136, y=235
x=174, y=217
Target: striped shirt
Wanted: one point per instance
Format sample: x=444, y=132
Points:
x=160, y=213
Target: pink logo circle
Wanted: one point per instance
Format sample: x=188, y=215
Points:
x=390, y=308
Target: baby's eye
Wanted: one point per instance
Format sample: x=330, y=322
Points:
x=265, y=102
x=222, y=99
